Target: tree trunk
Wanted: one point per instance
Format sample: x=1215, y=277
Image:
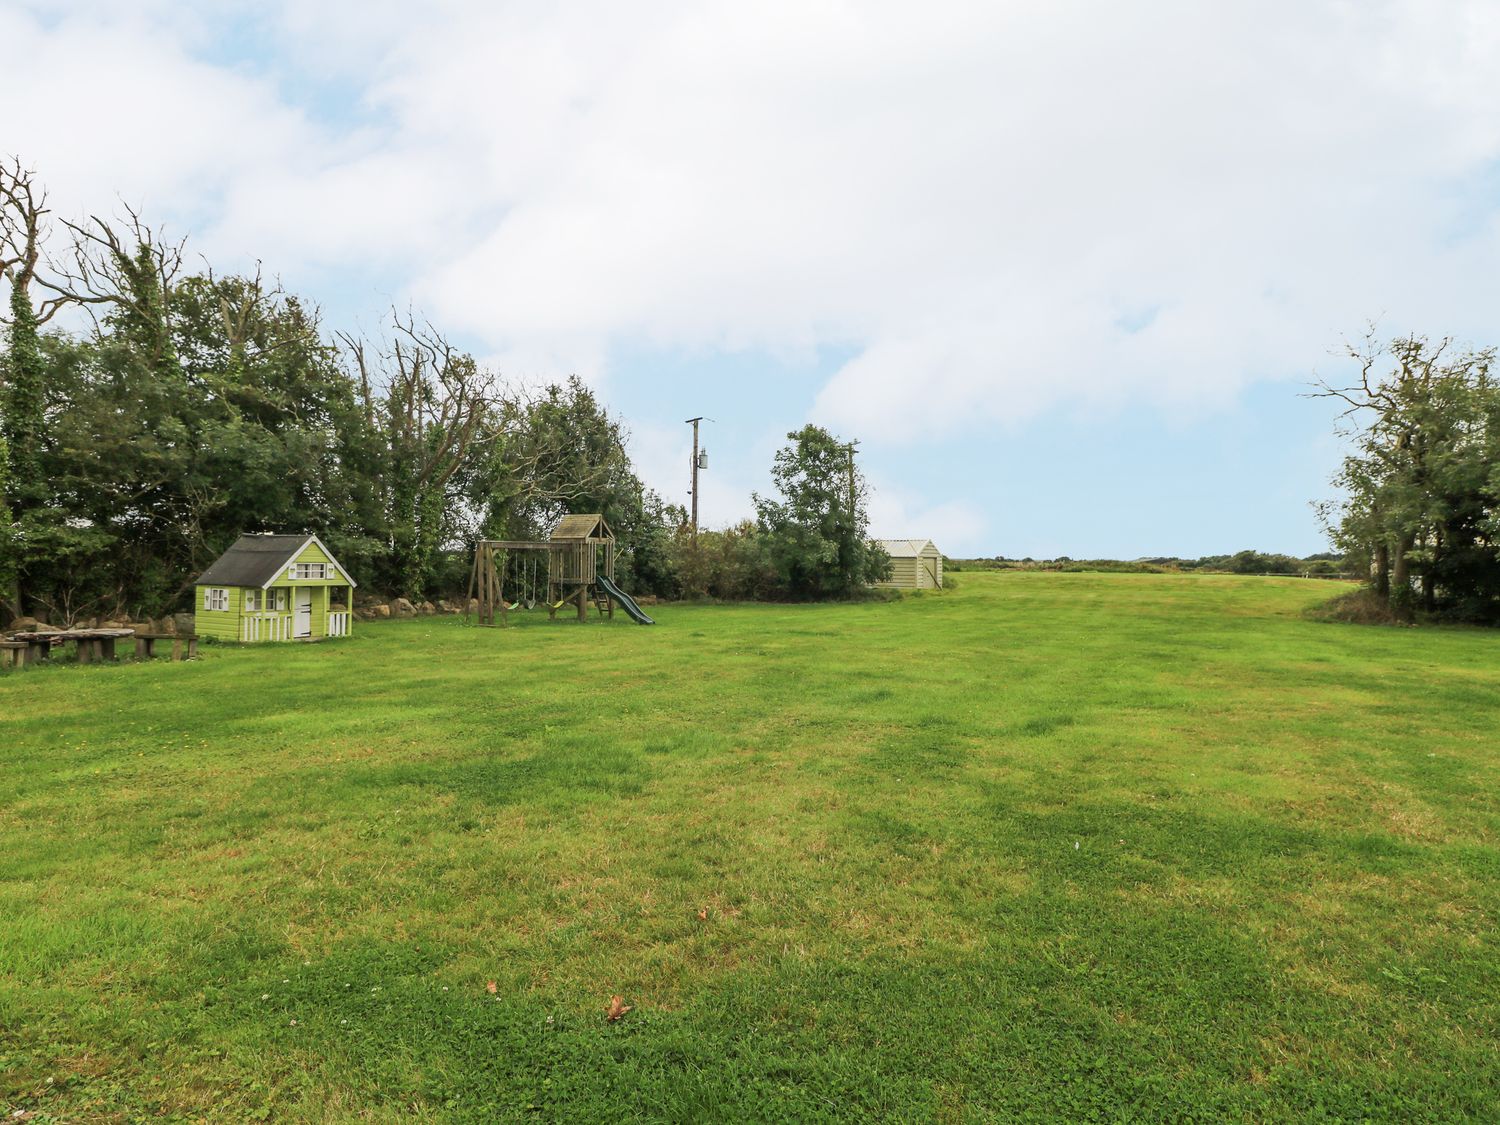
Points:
x=1401, y=595
x=1383, y=571
x=10, y=603
x=1429, y=580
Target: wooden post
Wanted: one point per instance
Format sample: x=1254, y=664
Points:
x=500, y=588
x=694, y=423
x=468, y=598
x=489, y=585
x=479, y=582
x=487, y=599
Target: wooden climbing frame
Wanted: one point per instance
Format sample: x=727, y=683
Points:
x=580, y=549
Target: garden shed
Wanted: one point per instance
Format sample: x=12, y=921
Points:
x=916, y=564
x=274, y=588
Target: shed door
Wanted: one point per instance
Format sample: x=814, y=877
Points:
x=928, y=572
x=302, y=627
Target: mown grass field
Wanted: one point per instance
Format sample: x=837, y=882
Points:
x=1049, y=846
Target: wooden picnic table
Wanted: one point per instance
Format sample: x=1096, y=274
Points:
x=93, y=644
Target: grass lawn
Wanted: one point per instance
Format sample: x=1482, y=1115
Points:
x=1049, y=846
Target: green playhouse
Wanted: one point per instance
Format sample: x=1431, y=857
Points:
x=274, y=588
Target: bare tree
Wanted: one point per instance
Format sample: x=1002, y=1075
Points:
x=430, y=404
x=23, y=210
x=130, y=268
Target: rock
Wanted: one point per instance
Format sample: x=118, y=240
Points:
x=473, y=605
x=184, y=622
x=444, y=605
x=647, y=599
x=165, y=625
x=24, y=625
x=380, y=611
x=113, y=624
x=337, y=608
x=402, y=608
x=428, y=608
x=40, y=628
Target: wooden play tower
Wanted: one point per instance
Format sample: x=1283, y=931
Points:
x=580, y=552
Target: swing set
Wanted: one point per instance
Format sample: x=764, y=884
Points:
x=510, y=575
x=523, y=581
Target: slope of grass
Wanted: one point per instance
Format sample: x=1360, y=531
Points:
x=1050, y=846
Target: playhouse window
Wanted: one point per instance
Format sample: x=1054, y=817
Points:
x=252, y=601
x=311, y=570
x=276, y=601
x=215, y=599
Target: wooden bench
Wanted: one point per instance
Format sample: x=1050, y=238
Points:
x=93, y=649
x=38, y=646
x=13, y=654
x=184, y=645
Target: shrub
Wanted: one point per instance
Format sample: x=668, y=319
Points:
x=1358, y=607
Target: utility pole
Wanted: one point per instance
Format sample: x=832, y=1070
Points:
x=696, y=466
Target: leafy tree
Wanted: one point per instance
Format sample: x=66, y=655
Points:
x=197, y=407
x=1421, y=490
x=561, y=451
x=8, y=553
x=24, y=493
x=816, y=534
x=22, y=411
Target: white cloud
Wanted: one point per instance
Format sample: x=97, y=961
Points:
x=956, y=526
x=995, y=208
x=108, y=108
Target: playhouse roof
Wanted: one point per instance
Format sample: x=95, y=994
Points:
x=256, y=560
x=582, y=527
x=906, y=548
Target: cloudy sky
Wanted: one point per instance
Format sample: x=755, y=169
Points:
x=1062, y=267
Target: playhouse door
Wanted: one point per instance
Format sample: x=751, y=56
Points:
x=302, y=627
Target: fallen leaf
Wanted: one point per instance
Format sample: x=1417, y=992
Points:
x=703, y=915
x=491, y=988
x=617, y=1008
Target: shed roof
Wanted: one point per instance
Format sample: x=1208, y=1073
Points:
x=590, y=526
x=254, y=560
x=907, y=548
